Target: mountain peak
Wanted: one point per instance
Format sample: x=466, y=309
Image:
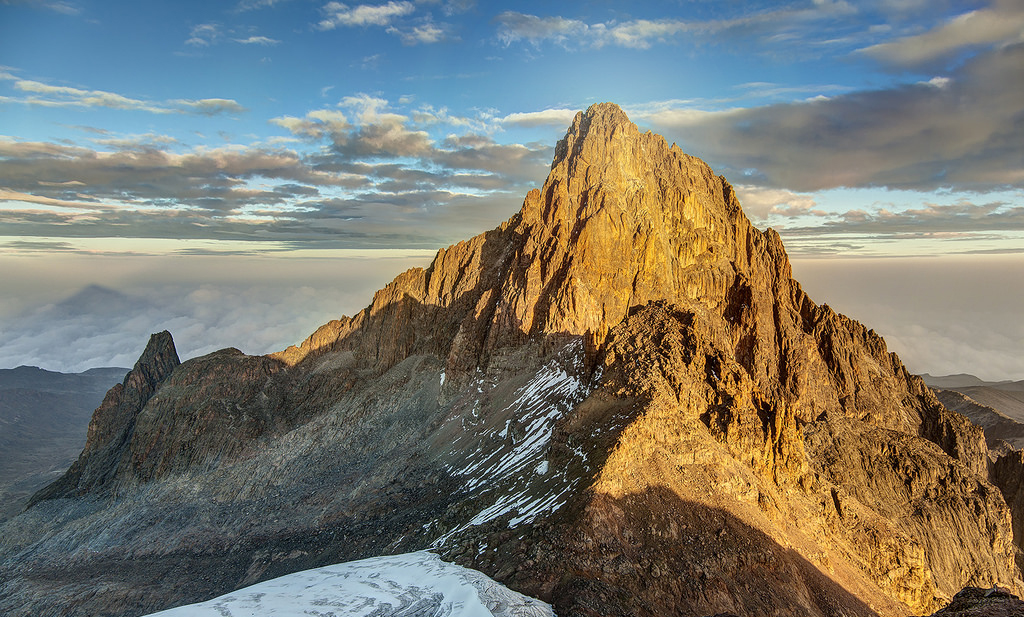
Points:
x=597, y=123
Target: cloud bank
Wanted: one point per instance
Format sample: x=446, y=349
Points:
x=962, y=132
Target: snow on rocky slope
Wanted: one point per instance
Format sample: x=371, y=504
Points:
x=411, y=585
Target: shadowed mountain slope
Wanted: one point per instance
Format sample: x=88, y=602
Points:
x=618, y=401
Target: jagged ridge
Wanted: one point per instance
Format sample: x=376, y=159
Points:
x=620, y=382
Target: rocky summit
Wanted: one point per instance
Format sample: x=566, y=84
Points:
x=619, y=402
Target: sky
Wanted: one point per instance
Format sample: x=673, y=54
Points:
x=240, y=172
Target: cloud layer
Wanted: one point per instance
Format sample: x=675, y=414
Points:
x=207, y=303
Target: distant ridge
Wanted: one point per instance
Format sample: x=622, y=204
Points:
x=964, y=380
x=43, y=421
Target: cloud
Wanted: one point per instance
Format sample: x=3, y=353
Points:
x=203, y=35
x=760, y=203
x=209, y=107
x=547, y=117
x=514, y=27
x=67, y=8
x=425, y=34
x=258, y=40
x=1002, y=23
x=368, y=131
x=960, y=132
x=338, y=14
x=785, y=26
x=208, y=302
x=369, y=175
x=46, y=95
x=252, y=5
x=145, y=177
x=942, y=315
x=932, y=219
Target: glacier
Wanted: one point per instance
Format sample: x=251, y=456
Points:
x=416, y=584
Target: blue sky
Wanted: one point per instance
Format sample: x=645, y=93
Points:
x=273, y=128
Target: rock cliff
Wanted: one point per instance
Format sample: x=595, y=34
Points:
x=114, y=421
x=619, y=401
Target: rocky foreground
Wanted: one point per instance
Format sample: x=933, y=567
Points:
x=618, y=401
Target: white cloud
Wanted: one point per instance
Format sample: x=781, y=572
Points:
x=209, y=107
x=641, y=33
x=759, y=203
x=251, y=5
x=785, y=25
x=203, y=35
x=64, y=96
x=548, y=117
x=338, y=14
x=425, y=34
x=514, y=26
x=258, y=40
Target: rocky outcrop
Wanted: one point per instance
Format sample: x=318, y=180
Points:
x=618, y=401
x=113, y=423
x=997, y=426
x=1008, y=474
x=977, y=602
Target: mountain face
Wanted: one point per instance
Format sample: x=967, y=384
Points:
x=619, y=402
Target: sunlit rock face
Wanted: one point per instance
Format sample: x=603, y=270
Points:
x=618, y=402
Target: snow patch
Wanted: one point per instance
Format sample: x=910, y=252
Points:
x=510, y=463
x=391, y=586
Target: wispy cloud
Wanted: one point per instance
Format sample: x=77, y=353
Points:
x=425, y=33
x=338, y=14
x=46, y=95
x=252, y=5
x=67, y=8
x=785, y=25
x=396, y=17
x=1000, y=24
x=548, y=117
x=203, y=35
x=760, y=203
x=258, y=40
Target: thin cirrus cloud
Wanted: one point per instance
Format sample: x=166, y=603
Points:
x=203, y=35
x=46, y=95
x=777, y=25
